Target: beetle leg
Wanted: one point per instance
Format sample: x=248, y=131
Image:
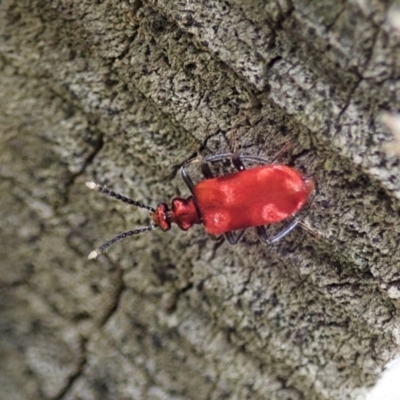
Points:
x=236, y=159
x=187, y=179
x=185, y=174
x=218, y=157
x=232, y=238
x=206, y=170
x=262, y=160
x=216, y=238
x=237, y=162
x=283, y=150
x=309, y=230
x=253, y=159
x=262, y=233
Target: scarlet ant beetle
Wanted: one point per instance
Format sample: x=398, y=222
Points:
x=253, y=197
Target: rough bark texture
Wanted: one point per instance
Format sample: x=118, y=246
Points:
x=123, y=93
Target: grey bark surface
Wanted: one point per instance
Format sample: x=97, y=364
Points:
x=123, y=93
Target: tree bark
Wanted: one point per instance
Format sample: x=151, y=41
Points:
x=123, y=93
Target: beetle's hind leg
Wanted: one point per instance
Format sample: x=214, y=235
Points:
x=233, y=238
x=263, y=235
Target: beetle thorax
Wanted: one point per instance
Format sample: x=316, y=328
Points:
x=183, y=212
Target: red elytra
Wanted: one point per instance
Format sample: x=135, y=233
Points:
x=253, y=197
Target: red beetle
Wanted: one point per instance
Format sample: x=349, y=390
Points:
x=253, y=197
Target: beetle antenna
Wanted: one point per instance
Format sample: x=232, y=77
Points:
x=108, y=192
x=117, y=238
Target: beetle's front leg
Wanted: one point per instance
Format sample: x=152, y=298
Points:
x=185, y=174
